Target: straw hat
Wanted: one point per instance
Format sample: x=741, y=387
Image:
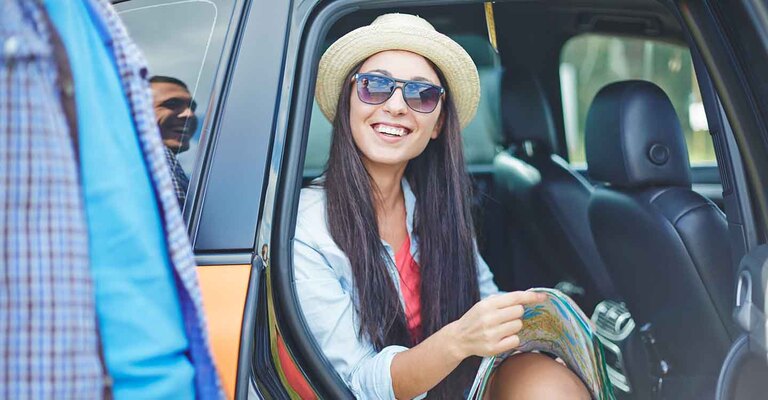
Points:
x=399, y=32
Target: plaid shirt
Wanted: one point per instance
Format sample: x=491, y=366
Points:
x=49, y=344
x=179, y=177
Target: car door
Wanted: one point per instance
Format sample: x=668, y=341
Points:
x=276, y=344
x=733, y=43
x=217, y=50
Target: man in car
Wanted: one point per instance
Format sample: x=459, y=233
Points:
x=98, y=295
x=176, y=120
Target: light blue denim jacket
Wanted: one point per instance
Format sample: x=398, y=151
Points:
x=324, y=283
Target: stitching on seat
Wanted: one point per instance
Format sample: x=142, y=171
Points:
x=690, y=211
x=657, y=195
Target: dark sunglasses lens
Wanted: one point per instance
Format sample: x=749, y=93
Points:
x=374, y=89
x=421, y=97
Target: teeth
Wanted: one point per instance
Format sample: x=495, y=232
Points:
x=390, y=130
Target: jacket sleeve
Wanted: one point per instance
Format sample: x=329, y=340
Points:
x=326, y=301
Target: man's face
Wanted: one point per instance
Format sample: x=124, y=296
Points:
x=175, y=113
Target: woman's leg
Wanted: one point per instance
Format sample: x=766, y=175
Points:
x=534, y=376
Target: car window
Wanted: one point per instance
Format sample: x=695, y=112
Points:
x=589, y=62
x=182, y=41
x=478, y=136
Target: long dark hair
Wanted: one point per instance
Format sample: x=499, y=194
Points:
x=442, y=224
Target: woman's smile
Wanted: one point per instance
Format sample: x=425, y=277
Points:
x=391, y=133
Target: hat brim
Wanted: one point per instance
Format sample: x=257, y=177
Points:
x=453, y=61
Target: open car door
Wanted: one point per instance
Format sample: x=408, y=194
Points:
x=732, y=43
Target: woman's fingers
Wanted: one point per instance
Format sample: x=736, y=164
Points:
x=509, y=328
x=513, y=312
x=508, y=343
x=492, y=325
x=515, y=298
x=500, y=316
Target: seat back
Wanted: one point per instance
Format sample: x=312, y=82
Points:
x=665, y=246
x=546, y=200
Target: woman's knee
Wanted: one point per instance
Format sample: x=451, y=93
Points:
x=536, y=376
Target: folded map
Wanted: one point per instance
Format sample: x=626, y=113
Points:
x=558, y=327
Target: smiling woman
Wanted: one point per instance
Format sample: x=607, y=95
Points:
x=396, y=293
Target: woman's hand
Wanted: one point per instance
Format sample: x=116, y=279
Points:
x=490, y=327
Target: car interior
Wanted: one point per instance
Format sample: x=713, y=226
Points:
x=601, y=157
x=595, y=172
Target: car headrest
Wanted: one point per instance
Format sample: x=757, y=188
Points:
x=634, y=139
x=526, y=114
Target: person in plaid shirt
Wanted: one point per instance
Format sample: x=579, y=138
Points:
x=98, y=291
x=175, y=113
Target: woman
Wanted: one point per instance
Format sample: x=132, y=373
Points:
x=386, y=265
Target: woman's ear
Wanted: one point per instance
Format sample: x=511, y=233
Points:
x=438, y=126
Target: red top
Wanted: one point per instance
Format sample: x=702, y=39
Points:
x=410, y=286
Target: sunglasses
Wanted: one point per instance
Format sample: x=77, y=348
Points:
x=419, y=96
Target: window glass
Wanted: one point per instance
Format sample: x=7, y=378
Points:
x=589, y=62
x=182, y=41
x=477, y=137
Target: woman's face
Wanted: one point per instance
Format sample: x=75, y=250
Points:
x=391, y=133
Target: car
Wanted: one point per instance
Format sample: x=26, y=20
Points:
x=676, y=290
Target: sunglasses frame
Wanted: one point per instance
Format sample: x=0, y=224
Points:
x=356, y=81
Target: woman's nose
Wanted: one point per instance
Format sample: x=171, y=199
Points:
x=395, y=105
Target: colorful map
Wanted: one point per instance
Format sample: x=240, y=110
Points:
x=558, y=327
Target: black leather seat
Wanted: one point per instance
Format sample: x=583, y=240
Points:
x=546, y=199
x=666, y=246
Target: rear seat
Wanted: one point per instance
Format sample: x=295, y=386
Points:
x=545, y=199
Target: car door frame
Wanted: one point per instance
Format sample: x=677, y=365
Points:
x=729, y=69
x=234, y=205
x=277, y=222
